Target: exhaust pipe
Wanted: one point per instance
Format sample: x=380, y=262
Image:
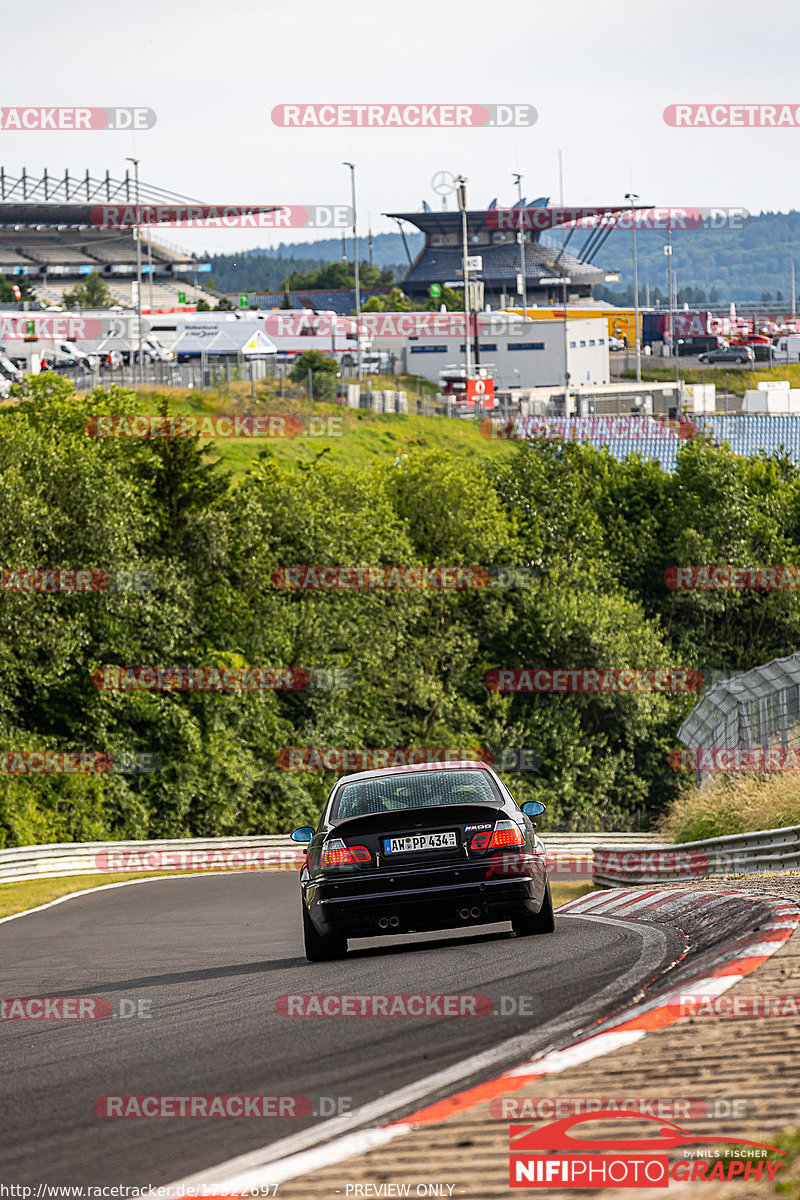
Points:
x=383, y=922
x=464, y=914
x=394, y=922
x=475, y=912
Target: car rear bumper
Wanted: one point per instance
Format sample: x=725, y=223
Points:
x=368, y=907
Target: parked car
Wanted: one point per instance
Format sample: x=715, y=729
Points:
x=700, y=345
x=729, y=354
x=762, y=347
x=111, y=360
x=615, y=343
x=752, y=339
x=57, y=360
x=67, y=356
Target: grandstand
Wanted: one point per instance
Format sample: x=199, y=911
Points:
x=439, y=260
x=47, y=236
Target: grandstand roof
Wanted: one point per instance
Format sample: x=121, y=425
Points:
x=48, y=200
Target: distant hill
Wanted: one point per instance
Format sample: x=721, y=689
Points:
x=263, y=269
x=740, y=264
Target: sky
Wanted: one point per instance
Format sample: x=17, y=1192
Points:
x=598, y=74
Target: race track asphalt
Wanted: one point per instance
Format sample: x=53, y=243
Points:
x=210, y=956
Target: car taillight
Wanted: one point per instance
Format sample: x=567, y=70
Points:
x=505, y=833
x=336, y=854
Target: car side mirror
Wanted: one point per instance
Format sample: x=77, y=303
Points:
x=534, y=808
x=304, y=834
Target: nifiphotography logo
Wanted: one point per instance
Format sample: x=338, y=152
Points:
x=553, y=1156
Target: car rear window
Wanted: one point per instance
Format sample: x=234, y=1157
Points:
x=417, y=789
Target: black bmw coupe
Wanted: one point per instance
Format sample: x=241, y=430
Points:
x=413, y=848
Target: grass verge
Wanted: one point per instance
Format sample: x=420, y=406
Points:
x=362, y=438
x=738, y=380
x=727, y=804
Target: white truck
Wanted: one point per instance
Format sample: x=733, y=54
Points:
x=57, y=337
x=289, y=331
x=787, y=349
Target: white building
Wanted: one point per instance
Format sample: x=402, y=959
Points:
x=518, y=353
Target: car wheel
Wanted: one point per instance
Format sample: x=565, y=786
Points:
x=526, y=924
x=319, y=948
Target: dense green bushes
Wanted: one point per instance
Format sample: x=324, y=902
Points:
x=598, y=536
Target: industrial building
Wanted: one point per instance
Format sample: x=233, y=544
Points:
x=515, y=353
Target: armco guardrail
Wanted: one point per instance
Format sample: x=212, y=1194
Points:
x=274, y=851
x=271, y=851
x=760, y=853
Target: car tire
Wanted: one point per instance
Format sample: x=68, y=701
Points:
x=319, y=948
x=526, y=924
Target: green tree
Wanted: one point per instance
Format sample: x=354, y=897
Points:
x=324, y=371
x=91, y=292
x=396, y=301
x=7, y=293
x=338, y=276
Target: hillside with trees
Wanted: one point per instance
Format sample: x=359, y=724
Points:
x=595, y=536
x=752, y=263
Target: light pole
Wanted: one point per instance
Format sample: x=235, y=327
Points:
x=668, y=253
x=138, y=231
x=462, y=204
x=521, y=236
x=355, y=263
x=633, y=198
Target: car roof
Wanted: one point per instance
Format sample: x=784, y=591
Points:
x=470, y=764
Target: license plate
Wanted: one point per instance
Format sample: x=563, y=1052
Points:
x=420, y=841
